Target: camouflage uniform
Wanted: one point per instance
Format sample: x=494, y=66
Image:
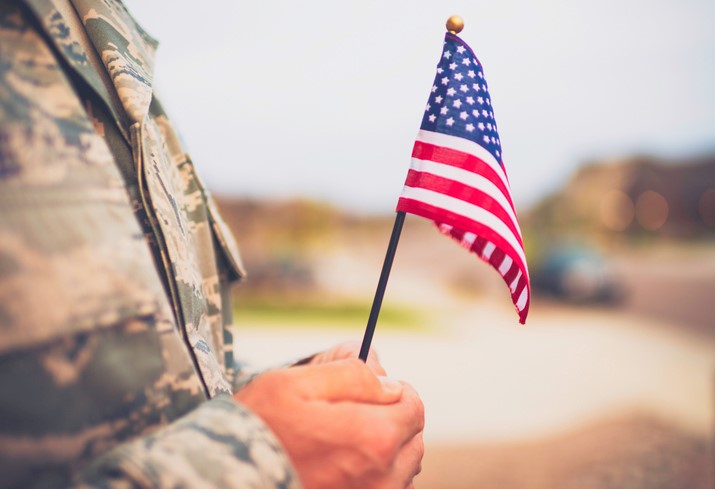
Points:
x=116, y=367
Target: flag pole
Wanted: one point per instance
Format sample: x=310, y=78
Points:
x=454, y=24
x=381, y=286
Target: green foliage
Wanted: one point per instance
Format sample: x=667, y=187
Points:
x=326, y=314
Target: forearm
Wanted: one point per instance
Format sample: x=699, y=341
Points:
x=221, y=444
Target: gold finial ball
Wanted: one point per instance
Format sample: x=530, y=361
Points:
x=455, y=24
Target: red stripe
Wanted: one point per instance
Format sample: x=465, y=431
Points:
x=523, y=283
x=515, y=297
x=465, y=161
x=511, y=274
x=463, y=192
x=457, y=234
x=458, y=221
x=478, y=246
x=496, y=259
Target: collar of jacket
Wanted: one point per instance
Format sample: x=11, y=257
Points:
x=126, y=51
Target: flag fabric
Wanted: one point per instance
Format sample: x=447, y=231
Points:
x=457, y=176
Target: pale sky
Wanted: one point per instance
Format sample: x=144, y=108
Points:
x=323, y=99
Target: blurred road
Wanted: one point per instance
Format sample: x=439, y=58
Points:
x=496, y=383
x=673, y=285
x=489, y=383
x=580, y=397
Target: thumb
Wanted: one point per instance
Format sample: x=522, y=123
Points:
x=346, y=380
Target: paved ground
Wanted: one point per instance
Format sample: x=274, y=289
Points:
x=579, y=398
x=609, y=385
x=634, y=452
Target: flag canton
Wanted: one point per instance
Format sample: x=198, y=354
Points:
x=459, y=103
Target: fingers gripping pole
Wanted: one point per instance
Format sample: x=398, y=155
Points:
x=381, y=285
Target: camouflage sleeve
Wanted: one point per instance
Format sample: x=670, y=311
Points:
x=99, y=389
x=219, y=445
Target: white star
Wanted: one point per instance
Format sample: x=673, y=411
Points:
x=484, y=87
x=460, y=49
x=489, y=102
x=475, y=62
x=469, y=127
x=470, y=100
x=432, y=117
x=475, y=113
x=457, y=103
x=485, y=113
x=476, y=87
x=438, y=99
x=451, y=91
x=494, y=140
x=450, y=121
x=463, y=115
x=491, y=115
x=443, y=110
x=480, y=100
x=434, y=88
x=480, y=125
x=471, y=74
x=440, y=70
x=458, y=77
x=497, y=152
x=466, y=62
x=428, y=107
x=447, y=54
x=486, y=139
x=481, y=75
x=489, y=126
x=452, y=66
x=464, y=88
x=445, y=80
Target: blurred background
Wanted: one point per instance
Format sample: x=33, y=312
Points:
x=301, y=116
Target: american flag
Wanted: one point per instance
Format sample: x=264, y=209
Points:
x=457, y=177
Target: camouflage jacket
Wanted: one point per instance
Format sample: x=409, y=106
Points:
x=116, y=366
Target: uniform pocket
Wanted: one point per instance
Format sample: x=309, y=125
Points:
x=225, y=242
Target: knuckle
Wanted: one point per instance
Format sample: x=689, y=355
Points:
x=355, y=365
x=414, y=405
x=364, y=377
x=417, y=405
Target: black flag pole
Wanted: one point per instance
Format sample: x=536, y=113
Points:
x=454, y=25
x=381, y=285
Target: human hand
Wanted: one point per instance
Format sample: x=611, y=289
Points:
x=342, y=426
x=346, y=351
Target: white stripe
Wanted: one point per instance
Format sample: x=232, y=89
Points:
x=445, y=228
x=515, y=282
x=488, y=250
x=521, y=302
x=465, y=146
x=470, y=179
x=467, y=210
x=505, y=265
x=468, y=240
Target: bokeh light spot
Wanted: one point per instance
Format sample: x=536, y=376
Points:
x=616, y=210
x=651, y=210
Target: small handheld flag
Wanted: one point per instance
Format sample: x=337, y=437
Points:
x=457, y=176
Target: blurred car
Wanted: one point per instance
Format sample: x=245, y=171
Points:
x=579, y=275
